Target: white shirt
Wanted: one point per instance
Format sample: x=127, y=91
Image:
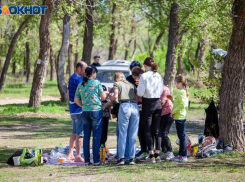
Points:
x=150, y=85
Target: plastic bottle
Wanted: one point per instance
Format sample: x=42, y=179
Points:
x=40, y=158
x=102, y=153
x=61, y=149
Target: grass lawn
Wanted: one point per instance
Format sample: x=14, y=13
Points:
x=50, y=125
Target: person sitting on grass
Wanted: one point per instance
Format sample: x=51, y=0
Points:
x=76, y=113
x=88, y=96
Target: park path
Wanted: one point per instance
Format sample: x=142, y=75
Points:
x=25, y=100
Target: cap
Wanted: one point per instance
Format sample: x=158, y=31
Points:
x=95, y=57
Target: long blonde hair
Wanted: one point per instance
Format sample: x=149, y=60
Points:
x=119, y=76
x=183, y=81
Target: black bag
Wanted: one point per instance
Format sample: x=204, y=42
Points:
x=211, y=121
x=17, y=153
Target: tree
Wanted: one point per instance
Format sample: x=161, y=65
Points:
x=10, y=51
x=232, y=90
x=113, y=39
x=28, y=68
x=173, y=40
x=70, y=60
x=88, y=33
x=53, y=65
x=62, y=57
x=43, y=58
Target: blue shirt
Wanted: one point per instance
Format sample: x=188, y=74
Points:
x=74, y=80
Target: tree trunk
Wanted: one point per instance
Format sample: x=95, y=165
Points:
x=28, y=68
x=10, y=51
x=76, y=54
x=62, y=58
x=201, y=55
x=43, y=58
x=159, y=37
x=113, y=41
x=232, y=90
x=134, y=51
x=52, y=63
x=173, y=39
x=180, y=61
x=127, y=45
x=88, y=33
x=70, y=60
x=188, y=57
x=14, y=68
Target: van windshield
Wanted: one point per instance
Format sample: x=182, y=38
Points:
x=107, y=76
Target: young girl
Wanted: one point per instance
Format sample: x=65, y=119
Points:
x=180, y=114
x=166, y=123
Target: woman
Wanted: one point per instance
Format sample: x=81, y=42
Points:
x=88, y=96
x=150, y=89
x=134, y=65
x=128, y=117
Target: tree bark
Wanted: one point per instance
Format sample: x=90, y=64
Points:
x=76, y=54
x=134, y=51
x=159, y=37
x=201, y=59
x=88, y=33
x=232, y=90
x=127, y=45
x=62, y=58
x=52, y=63
x=173, y=40
x=180, y=62
x=28, y=68
x=70, y=60
x=113, y=40
x=10, y=51
x=43, y=58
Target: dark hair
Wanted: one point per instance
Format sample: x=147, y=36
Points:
x=88, y=72
x=150, y=62
x=183, y=81
x=80, y=64
x=134, y=63
x=137, y=72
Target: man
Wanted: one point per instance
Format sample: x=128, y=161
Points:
x=76, y=112
x=96, y=61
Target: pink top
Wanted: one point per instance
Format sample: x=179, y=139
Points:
x=167, y=108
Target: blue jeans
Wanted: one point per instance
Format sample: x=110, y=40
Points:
x=180, y=127
x=92, y=120
x=128, y=123
x=126, y=155
x=77, y=124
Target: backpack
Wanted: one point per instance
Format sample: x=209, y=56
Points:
x=205, y=151
x=208, y=141
x=11, y=160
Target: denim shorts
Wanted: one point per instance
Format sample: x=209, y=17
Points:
x=77, y=124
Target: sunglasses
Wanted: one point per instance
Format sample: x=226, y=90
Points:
x=135, y=63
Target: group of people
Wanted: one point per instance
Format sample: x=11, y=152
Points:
x=143, y=106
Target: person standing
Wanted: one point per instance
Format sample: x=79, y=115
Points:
x=76, y=112
x=96, y=61
x=166, y=123
x=133, y=65
x=180, y=109
x=150, y=89
x=128, y=117
x=88, y=96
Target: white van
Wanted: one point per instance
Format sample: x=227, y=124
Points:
x=108, y=69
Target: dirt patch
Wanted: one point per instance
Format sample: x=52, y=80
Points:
x=25, y=100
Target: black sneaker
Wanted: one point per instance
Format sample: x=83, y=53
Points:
x=88, y=164
x=132, y=162
x=138, y=154
x=120, y=162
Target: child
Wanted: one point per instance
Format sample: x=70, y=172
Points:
x=180, y=114
x=166, y=123
x=105, y=120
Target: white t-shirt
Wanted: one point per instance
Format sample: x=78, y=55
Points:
x=150, y=85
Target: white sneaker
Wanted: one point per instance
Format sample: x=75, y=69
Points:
x=169, y=156
x=143, y=156
x=163, y=156
x=180, y=159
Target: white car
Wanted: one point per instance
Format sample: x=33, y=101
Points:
x=108, y=69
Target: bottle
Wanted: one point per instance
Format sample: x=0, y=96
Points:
x=40, y=158
x=102, y=153
x=61, y=149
